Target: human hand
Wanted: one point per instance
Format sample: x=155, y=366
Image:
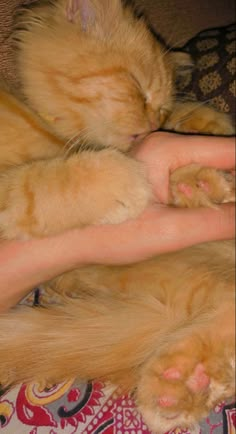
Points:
x=163, y=152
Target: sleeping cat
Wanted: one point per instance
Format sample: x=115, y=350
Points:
x=97, y=81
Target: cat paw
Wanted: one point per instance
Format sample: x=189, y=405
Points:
x=127, y=191
x=197, y=118
x=219, y=125
x=181, y=386
x=194, y=186
x=88, y=188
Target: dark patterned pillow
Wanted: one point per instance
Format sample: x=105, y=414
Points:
x=213, y=79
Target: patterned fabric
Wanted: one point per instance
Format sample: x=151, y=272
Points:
x=88, y=408
x=213, y=80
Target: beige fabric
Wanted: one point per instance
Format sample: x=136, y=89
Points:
x=178, y=20
x=7, y=9
x=7, y=12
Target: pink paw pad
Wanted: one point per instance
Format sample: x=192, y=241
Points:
x=204, y=186
x=185, y=189
x=166, y=401
x=171, y=374
x=199, y=381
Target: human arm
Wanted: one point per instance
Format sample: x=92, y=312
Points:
x=164, y=152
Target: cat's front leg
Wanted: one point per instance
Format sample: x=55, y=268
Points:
x=191, y=372
x=49, y=196
x=194, y=117
x=194, y=186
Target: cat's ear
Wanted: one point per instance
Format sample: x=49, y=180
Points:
x=80, y=9
x=183, y=62
x=103, y=13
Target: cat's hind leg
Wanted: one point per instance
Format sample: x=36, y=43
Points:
x=190, y=374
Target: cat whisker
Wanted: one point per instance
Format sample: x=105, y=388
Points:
x=180, y=93
x=71, y=139
x=169, y=48
x=177, y=43
x=75, y=140
x=70, y=144
x=191, y=112
x=187, y=117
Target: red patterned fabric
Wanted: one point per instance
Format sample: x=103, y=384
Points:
x=87, y=408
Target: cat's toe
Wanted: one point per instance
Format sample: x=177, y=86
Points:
x=196, y=382
x=199, y=380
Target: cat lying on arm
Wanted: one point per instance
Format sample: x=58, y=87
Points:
x=94, y=82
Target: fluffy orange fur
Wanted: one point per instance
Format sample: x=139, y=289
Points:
x=132, y=324
x=97, y=81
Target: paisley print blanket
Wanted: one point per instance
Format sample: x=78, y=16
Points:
x=88, y=408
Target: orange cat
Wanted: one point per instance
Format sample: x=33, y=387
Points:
x=163, y=329
x=97, y=81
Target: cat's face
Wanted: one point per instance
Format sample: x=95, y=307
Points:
x=96, y=73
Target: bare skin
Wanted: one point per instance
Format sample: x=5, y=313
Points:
x=25, y=264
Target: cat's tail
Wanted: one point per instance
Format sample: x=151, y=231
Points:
x=103, y=337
